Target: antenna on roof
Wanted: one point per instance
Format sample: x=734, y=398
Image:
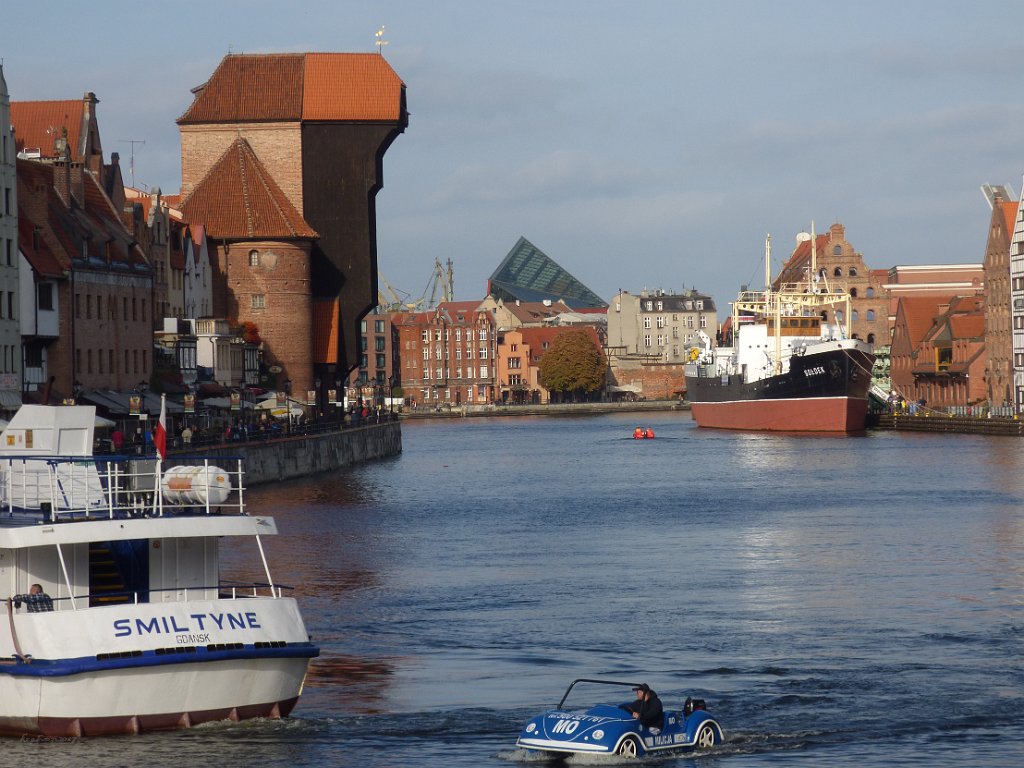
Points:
x=381, y=42
x=131, y=160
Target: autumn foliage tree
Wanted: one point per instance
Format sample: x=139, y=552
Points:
x=573, y=367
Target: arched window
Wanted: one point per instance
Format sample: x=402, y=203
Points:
x=837, y=251
x=871, y=315
x=853, y=271
x=871, y=338
x=853, y=293
x=838, y=272
x=824, y=316
x=871, y=292
x=853, y=316
x=254, y=258
x=839, y=315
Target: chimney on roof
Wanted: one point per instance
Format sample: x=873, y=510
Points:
x=62, y=176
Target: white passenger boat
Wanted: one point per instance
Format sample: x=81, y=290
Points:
x=135, y=630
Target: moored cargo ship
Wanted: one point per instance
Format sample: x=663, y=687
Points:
x=788, y=369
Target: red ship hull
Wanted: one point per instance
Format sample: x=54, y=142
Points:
x=804, y=414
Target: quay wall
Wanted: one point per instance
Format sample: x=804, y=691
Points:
x=287, y=458
x=967, y=425
x=550, y=409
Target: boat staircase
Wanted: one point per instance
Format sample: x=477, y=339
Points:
x=106, y=583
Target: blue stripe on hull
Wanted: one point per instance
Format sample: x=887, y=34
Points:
x=187, y=655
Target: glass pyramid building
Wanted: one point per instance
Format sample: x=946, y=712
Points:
x=529, y=274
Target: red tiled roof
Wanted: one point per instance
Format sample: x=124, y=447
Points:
x=459, y=306
x=970, y=326
x=301, y=86
x=919, y=313
x=44, y=262
x=350, y=86
x=38, y=124
x=537, y=336
x=239, y=199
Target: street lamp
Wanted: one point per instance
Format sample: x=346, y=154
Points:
x=339, y=411
x=288, y=402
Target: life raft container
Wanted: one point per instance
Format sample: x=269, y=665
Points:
x=196, y=485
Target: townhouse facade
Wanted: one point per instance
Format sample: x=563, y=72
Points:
x=998, y=334
x=519, y=354
x=949, y=367
x=378, y=373
x=10, y=284
x=658, y=326
x=447, y=355
x=97, y=331
x=1017, y=305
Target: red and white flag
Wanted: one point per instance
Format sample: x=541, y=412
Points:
x=160, y=433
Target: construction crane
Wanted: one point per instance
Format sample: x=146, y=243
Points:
x=442, y=278
x=393, y=300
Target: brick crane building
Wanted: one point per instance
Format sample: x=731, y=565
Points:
x=314, y=128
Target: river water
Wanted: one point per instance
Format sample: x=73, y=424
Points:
x=836, y=600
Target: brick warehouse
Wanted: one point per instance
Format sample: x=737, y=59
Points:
x=313, y=128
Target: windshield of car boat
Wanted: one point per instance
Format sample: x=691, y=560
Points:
x=605, y=690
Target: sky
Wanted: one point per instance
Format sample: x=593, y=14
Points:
x=641, y=144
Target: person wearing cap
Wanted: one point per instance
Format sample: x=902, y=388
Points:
x=647, y=707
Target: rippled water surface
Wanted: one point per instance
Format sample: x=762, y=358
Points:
x=837, y=601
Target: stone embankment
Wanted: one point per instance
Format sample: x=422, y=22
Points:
x=286, y=458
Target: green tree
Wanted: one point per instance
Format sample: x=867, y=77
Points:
x=573, y=367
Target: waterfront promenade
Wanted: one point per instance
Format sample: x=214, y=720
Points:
x=307, y=450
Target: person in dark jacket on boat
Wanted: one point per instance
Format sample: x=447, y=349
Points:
x=647, y=707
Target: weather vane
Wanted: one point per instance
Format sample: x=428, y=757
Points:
x=381, y=42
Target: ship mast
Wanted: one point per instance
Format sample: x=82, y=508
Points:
x=773, y=305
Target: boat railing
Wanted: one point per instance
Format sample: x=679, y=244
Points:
x=75, y=487
x=225, y=590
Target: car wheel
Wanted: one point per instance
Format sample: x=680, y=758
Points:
x=706, y=736
x=628, y=747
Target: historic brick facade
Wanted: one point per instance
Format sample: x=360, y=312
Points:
x=998, y=341
x=319, y=125
x=448, y=355
x=843, y=268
